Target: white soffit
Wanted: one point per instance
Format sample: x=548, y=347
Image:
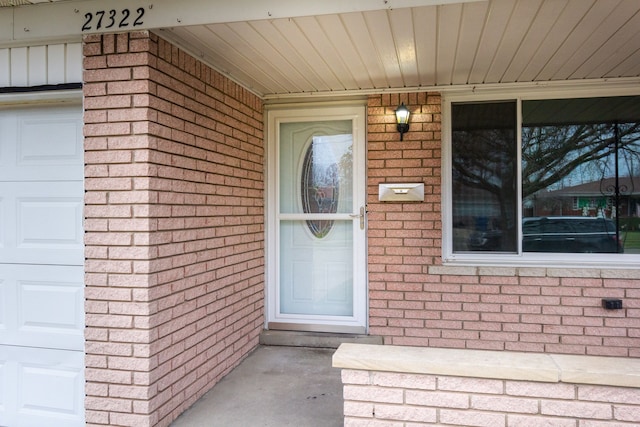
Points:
x=287, y=48
x=485, y=43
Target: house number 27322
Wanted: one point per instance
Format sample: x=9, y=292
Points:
x=105, y=19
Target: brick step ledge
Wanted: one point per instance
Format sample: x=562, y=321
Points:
x=504, y=365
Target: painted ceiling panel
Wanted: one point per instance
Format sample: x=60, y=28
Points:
x=470, y=31
x=629, y=67
x=425, y=21
x=327, y=51
x=358, y=31
x=266, y=58
x=309, y=54
x=448, y=36
x=402, y=28
x=230, y=60
x=496, y=17
x=485, y=42
x=599, y=34
x=575, y=45
x=346, y=50
x=534, y=40
x=515, y=31
x=380, y=31
x=559, y=30
x=300, y=71
x=616, y=46
x=615, y=51
x=430, y=44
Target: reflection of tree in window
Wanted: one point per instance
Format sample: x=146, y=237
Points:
x=580, y=157
x=554, y=157
x=345, y=166
x=484, y=176
x=327, y=163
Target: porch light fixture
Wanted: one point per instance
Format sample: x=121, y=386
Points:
x=402, y=118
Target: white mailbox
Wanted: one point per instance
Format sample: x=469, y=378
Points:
x=401, y=192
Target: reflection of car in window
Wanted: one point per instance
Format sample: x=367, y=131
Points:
x=570, y=235
x=490, y=240
x=566, y=234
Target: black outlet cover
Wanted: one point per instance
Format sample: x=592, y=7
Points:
x=612, y=303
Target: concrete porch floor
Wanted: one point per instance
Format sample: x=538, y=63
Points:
x=274, y=386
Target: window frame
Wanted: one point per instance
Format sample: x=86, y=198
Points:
x=533, y=259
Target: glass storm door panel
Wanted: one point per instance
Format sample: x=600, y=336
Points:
x=319, y=272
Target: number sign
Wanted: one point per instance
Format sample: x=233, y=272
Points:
x=113, y=19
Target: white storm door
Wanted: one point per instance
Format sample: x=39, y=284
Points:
x=317, y=248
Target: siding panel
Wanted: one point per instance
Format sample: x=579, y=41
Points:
x=37, y=65
x=41, y=65
x=5, y=67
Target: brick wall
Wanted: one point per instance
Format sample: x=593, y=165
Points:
x=174, y=228
x=414, y=300
x=393, y=399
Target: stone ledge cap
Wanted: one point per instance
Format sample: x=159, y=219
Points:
x=598, y=370
x=504, y=365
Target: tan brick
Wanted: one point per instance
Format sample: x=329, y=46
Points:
x=471, y=418
x=358, y=409
x=372, y=394
x=417, y=382
x=149, y=246
x=437, y=399
x=504, y=404
x=538, y=421
x=585, y=410
x=470, y=385
x=406, y=413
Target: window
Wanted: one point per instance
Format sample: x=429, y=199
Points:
x=484, y=160
x=545, y=176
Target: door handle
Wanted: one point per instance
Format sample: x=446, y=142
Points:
x=361, y=216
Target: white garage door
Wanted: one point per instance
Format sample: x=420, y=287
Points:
x=41, y=267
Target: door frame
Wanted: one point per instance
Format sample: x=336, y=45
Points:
x=275, y=115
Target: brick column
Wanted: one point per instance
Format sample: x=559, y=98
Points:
x=174, y=228
x=404, y=238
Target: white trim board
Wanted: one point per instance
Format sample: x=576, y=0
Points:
x=34, y=22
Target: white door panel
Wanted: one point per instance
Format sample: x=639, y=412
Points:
x=42, y=306
x=41, y=144
x=41, y=267
x=41, y=223
x=41, y=387
x=316, y=278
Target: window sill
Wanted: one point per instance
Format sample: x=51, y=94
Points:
x=558, y=265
